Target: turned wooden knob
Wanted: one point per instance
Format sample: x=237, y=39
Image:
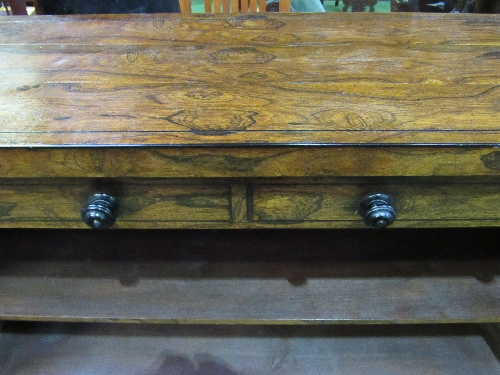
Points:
x=377, y=210
x=100, y=211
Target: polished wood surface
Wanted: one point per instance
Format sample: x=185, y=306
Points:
x=248, y=121
x=277, y=79
x=244, y=162
x=282, y=121
x=216, y=203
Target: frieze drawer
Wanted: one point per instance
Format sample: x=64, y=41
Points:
x=214, y=203
x=338, y=205
x=141, y=204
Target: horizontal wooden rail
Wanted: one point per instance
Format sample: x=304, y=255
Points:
x=290, y=277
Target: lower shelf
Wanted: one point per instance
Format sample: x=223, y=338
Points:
x=88, y=348
x=249, y=294
x=251, y=277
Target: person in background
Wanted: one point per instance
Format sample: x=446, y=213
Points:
x=307, y=6
x=313, y=6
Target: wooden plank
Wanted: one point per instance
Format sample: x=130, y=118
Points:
x=251, y=277
x=243, y=293
x=208, y=6
x=240, y=89
x=185, y=6
x=284, y=5
x=291, y=162
x=253, y=6
x=130, y=350
x=217, y=6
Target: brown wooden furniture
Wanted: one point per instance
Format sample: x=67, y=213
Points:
x=241, y=124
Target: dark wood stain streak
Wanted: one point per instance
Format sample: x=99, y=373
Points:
x=236, y=55
x=6, y=208
x=98, y=158
x=480, y=92
x=206, y=121
x=491, y=160
x=492, y=55
x=116, y=115
x=221, y=162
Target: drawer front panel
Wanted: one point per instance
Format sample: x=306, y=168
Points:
x=165, y=204
x=417, y=205
x=141, y=204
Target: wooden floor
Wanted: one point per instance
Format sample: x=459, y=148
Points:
x=71, y=349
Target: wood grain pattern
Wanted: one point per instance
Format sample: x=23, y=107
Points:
x=239, y=203
x=249, y=293
x=142, y=204
x=238, y=162
x=249, y=122
x=198, y=203
x=187, y=80
x=417, y=204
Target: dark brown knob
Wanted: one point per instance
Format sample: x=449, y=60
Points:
x=377, y=211
x=100, y=211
